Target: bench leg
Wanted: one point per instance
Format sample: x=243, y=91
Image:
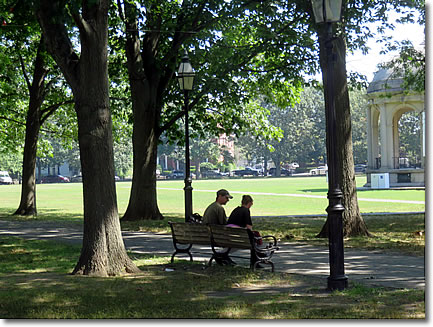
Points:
x=178, y=250
x=257, y=259
x=219, y=255
x=254, y=266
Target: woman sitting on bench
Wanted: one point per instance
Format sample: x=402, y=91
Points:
x=241, y=217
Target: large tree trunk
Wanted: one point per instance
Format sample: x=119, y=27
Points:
x=144, y=92
x=353, y=224
x=27, y=206
x=103, y=252
x=143, y=198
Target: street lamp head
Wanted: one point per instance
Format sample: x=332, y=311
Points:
x=326, y=11
x=185, y=74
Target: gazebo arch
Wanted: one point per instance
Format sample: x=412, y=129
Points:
x=387, y=102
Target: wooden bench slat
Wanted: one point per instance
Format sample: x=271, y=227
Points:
x=190, y=240
x=231, y=237
x=186, y=233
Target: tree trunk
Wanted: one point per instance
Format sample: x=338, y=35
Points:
x=353, y=224
x=103, y=252
x=198, y=169
x=27, y=206
x=143, y=204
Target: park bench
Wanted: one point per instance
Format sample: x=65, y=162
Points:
x=222, y=239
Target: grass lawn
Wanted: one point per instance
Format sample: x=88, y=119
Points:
x=64, y=202
x=35, y=281
x=272, y=197
x=34, y=284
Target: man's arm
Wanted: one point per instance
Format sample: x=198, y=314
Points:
x=222, y=218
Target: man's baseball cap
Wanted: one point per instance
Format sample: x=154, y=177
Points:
x=224, y=192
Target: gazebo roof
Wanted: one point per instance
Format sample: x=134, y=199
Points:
x=384, y=81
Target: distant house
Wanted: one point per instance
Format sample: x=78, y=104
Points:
x=227, y=143
x=62, y=169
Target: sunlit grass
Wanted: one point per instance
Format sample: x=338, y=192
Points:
x=36, y=286
x=275, y=198
x=62, y=202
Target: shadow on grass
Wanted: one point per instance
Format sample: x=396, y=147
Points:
x=37, y=287
x=43, y=214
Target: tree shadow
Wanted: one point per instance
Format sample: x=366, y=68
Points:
x=43, y=214
x=37, y=287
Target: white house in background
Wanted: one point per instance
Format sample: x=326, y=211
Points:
x=63, y=170
x=387, y=102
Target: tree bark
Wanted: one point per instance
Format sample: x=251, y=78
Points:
x=103, y=252
x=353, y=224
x=27, y=206
x=143, y=202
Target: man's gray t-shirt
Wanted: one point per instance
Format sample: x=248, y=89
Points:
x=215, y=214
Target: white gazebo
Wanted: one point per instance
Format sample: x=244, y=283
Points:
x=387, y=102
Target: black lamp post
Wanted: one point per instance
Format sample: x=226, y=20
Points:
x=328, y=12
x=185, y=77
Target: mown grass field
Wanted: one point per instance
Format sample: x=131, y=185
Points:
x=35, y=284
x=35, y=281
x=272, y=197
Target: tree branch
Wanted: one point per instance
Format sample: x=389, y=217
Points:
x=170, y=123
x=23, y=69
x=47, y=112
x=77, y=18
x=57, y=40
x=13, y=120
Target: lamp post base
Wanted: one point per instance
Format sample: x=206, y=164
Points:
x=188, y=199
x=337, y=283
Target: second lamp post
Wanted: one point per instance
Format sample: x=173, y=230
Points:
x=185, y=77
x=328, y=12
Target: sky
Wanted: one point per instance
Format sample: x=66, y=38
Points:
x=367, y=64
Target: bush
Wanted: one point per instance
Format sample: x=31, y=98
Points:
x=207, y=166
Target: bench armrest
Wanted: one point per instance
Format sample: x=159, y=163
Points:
x=274, y=240
x=267, y=249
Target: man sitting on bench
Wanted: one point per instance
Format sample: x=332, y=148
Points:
x=216, y=215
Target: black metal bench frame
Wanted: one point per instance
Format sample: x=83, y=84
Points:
x=220, y=236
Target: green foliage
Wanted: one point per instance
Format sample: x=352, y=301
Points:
x=410, y=136
x=207, y=166
x=238, y=51
x=202, y=149
x=123, y=158
x=11, y=162
x=301, y=136
x=409, y=65
x=358, y=106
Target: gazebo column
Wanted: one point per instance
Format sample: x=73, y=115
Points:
x=372, y=136
x=375, y=135
x=370, y=158
x=395, y=141
x=422, y=125
x=386, y=141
